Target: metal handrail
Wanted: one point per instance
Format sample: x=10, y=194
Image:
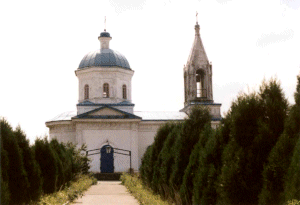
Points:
x=128, y=154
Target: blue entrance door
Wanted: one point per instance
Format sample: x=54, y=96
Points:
x=107, y=159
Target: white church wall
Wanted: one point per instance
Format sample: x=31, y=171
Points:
x=117, y=138
x=63, y=133
x=95, y=77
x=118, y=135
x=146, y=134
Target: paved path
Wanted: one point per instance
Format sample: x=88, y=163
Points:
x=106, y=192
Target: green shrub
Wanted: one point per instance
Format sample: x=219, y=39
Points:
x=69, y=193
x=17, y=177
x=140, y=192
x=280, y=156
x=158, y=145
x=187, y=186
x=64, y=162
x=191, y=130
x=293, y=202
x=292, y=127
x=80, y=162
x=31, y=166
x=275, y=170
x=210, y=164
x=4, y=194
x=165, y=162
x=238, y=179
x=47, y=161
x=292, y=180
x=145, y=168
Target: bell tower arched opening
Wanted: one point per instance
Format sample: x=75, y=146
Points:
x=201, y=89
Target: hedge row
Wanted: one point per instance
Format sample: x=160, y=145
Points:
x=252, y=158
x=27, y=171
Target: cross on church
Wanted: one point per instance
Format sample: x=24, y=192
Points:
x=196, y=16
x=105, y=23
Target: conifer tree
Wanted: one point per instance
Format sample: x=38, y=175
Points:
x=62, y=163
x=17, y=176
x=274, y=105
x=31, y=166
x=4, y=193
x=158, y=144
x=145, y=168
x=292, y=180
x=238, y=185
x=166, y=160
x=80, y=162
x=47, y=161
x=151, y=155
x=210, y=164
x=186, y=189
x=191, y=130
x=257, y=122
x=280, y=156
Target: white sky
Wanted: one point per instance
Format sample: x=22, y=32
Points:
x=43, y=42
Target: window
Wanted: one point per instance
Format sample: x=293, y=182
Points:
x=86, y=92
x=105, y=90
x=124, y=92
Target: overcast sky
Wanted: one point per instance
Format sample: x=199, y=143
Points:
x=43, y=42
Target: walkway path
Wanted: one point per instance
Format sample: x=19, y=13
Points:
x=106, y=192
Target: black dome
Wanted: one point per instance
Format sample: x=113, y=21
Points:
x=104, y=34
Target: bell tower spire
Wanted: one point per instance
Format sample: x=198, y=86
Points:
x=198, y=75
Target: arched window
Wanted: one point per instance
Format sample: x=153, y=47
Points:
x=86, y=92
x=105, y=90
x=124, y=89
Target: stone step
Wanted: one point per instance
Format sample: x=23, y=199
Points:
x=108, y=176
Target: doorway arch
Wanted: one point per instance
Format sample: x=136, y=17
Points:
x=107, y=159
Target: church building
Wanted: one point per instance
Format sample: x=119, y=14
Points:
x=116, y=135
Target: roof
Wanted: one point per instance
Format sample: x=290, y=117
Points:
x=161, y=115
x=104, y=34
x=120, y=114
x=64, y=116
x=204, y=103
x=198, y=56
x=145, y=115
x=104, y=58
x=89, y=103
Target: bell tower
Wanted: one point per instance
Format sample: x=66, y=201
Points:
x=198, y=73
x=198, y=88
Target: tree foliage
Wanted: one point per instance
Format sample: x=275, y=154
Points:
x=166, y=160
x=187, y=186
x=292, y=179
x=280, y=156
x=17, y=176
x=31, y=166
x=28, y=171
x=191, y=130
x=5, y=194
x=47, y=160
x=210, y=164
